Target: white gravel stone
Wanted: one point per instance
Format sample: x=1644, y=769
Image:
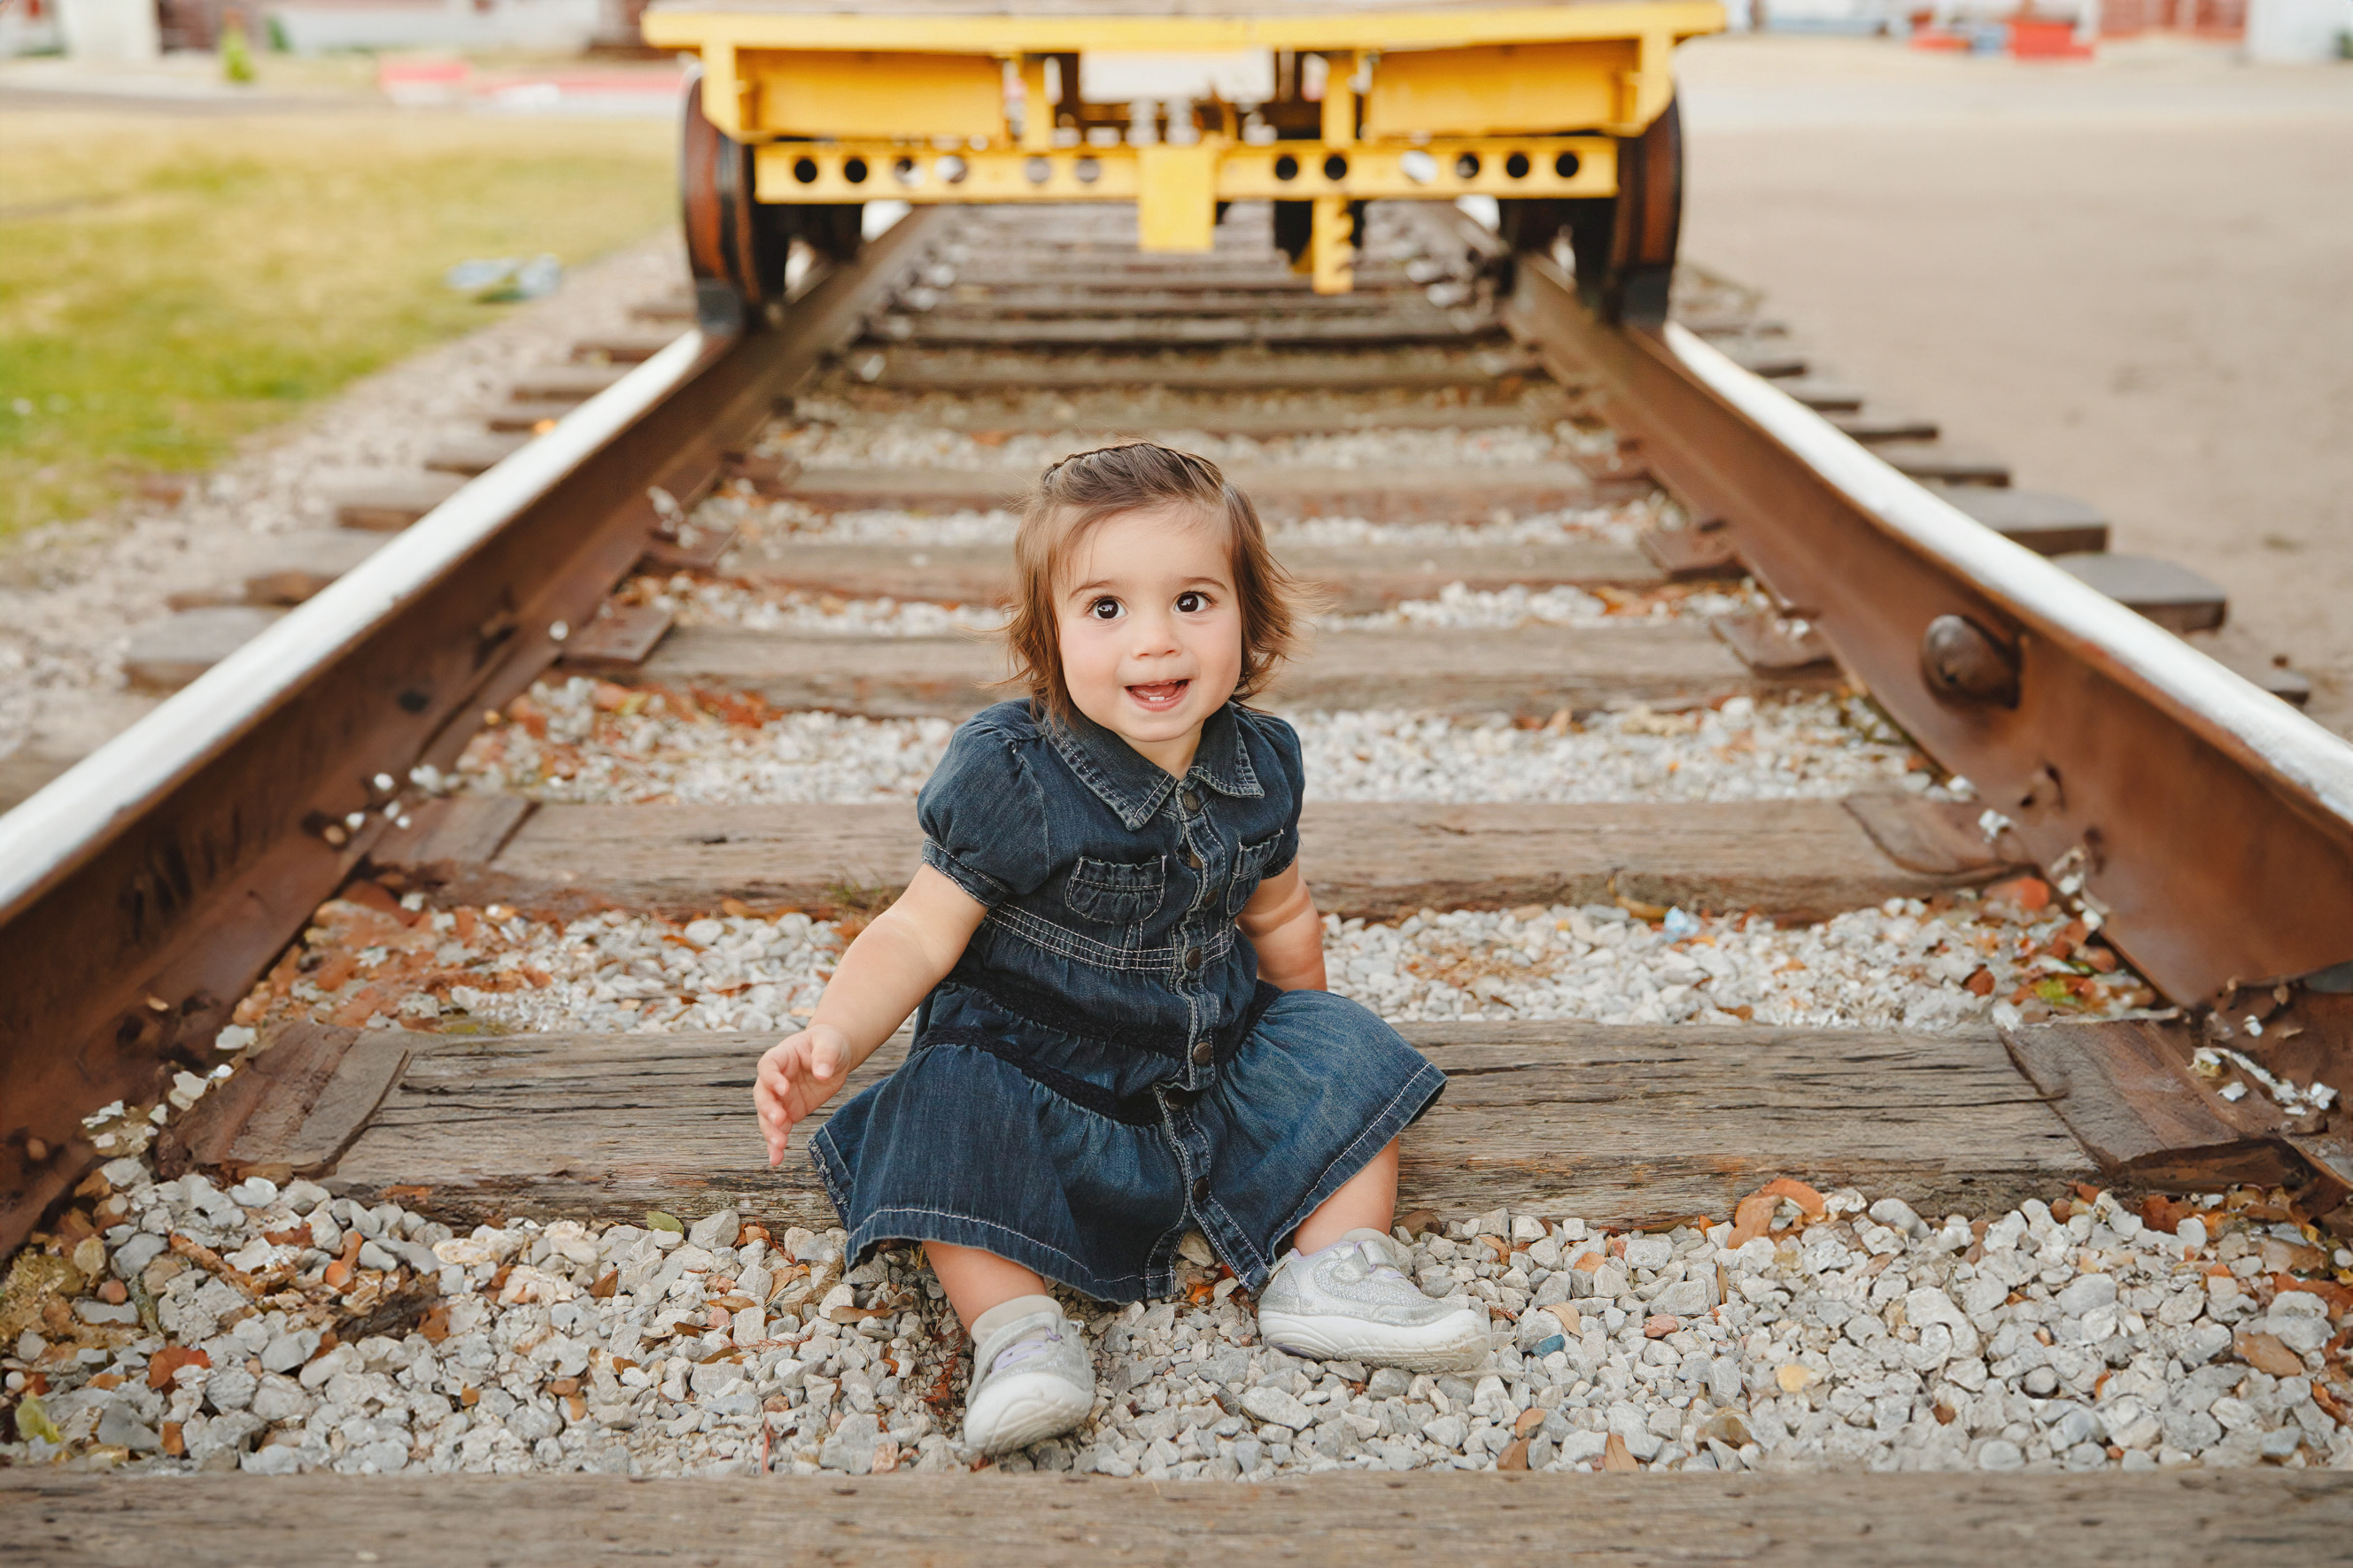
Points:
x=1898, y=966
x=1024, y=453
x=766, y=520
x=1826, y=1368
x=581, y=740
x=705, y=602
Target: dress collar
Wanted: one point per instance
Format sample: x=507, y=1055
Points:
x=1132, y=784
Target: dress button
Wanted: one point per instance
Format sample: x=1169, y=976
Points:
x=1192, y=958
x=1191, y=799
x=1200, y=1189
x=1204, y=1051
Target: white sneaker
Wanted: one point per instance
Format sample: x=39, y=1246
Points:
x=1350, y=1301
x=1032, y=1376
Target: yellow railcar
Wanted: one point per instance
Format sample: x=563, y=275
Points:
x=1565, y=113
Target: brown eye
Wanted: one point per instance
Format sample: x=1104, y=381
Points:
x=1106, y=609
x=1192, y=601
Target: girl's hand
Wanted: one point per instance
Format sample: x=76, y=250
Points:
x=796, y=1075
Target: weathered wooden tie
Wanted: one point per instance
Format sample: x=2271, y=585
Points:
x=2176, y=1519
x=1354, y=579
x=1789, y=860
x=1622, y=1125
x=1423, y=493
x=1530, y=671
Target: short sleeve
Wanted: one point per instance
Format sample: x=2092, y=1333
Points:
x=1278, y=741
x=983, y=817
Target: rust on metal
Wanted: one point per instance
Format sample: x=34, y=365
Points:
x=2212, y=825
x=619, y=639
x=293, y=1107
x=1683, y=553
x=1775, y=645
x=184, y=882
x=1941, y=839
x=2131, y=1091
x=698, y=550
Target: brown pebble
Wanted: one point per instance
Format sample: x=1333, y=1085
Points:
x=1660, y=1325
x=2267, y=1352
x=113, y=1292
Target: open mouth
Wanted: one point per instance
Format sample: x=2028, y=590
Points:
x=1160, y=695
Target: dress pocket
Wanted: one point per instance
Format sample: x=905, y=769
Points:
x=1114, y=894
x=1249, y=861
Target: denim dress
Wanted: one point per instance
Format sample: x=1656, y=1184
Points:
x=1104, y=1069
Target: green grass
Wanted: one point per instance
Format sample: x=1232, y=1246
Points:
x=168, y=285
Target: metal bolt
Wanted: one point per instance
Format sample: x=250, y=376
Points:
x=1963, y=661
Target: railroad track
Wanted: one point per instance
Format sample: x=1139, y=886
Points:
x=494, y=866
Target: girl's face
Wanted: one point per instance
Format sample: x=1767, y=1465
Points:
x=1151, y=631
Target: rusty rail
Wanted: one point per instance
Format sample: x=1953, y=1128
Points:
x=143, y=891
x=2212, y=824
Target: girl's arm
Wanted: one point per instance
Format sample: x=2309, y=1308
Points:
x=905, y=951
x=1281, y=923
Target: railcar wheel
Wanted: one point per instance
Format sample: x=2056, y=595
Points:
x=1624, y=244
x=735, y=248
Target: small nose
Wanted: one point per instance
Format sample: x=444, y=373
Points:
x=1155, y=632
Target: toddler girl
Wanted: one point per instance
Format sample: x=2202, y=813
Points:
x=1124, y=1032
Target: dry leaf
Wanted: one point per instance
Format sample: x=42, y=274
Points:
x=1814, y=1205
x=1616, y=1455
x=1515, y=1458
x=170, y=1359
x=1529, y=1420
x=2265, y=1353
x=1752, y=1218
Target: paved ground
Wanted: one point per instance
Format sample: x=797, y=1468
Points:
x=2133, y=279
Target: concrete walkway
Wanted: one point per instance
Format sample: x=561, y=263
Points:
x=2133, y=278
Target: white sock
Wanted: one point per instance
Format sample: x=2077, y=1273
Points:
x=1005, y=1312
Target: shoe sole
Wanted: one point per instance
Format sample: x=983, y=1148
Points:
x=1029, y=1409
x=1352, y=1338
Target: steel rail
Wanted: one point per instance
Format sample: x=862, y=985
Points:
x=144, y=891
x=2211, y=822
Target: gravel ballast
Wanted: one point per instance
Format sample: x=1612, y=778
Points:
x=720, y=601
x=1022, y=454
x=1828, y=1331
x=1971, y=959
x=775, y=519
x=582, y=740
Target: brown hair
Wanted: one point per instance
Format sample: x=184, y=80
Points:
x=1072, y=497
